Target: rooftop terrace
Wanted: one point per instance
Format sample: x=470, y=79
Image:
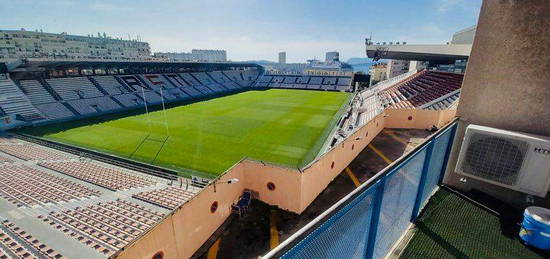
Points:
x=452, y=225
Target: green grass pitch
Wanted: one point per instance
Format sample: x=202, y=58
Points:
x=285, y=127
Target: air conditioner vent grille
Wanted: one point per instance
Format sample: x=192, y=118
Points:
x=495, y=158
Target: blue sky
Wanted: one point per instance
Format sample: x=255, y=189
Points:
x=250, y=29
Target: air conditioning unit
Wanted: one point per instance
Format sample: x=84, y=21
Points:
x=514, y=160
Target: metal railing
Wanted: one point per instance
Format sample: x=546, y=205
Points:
x=369, y=221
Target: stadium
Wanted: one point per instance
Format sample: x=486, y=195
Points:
x=163, y=159
x=170, y=137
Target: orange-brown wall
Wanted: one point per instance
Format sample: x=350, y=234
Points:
x=184, y=231
x=287, y=184
x=418, y=119
x=187, y=228
x=316, y=177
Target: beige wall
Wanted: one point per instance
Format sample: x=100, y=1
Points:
x=418, y=119
x=316, y=177
x=506, y=84
x=184, y=231
x=287, y=184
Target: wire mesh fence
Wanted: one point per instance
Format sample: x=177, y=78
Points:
x=369, y=221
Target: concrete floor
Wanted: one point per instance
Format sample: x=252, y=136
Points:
x=251, y=235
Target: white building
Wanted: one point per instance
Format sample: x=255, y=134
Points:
x=20, y=44
x=397, y=67
x=465, y=36
x=196, y=55
x=418, y=65
x=378, y=72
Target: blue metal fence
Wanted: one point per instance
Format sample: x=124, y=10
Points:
x=368, y=222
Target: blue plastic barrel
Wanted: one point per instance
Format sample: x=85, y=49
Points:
x=535, y=228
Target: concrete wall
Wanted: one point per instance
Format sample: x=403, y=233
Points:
x=287, y=184
x=418, y=119
x=507, y=81
x=184, y=231
x=318, y=175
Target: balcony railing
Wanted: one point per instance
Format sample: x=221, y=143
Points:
x=369, y=221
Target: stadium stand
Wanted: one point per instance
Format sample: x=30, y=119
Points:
x=204, y=90
x=289, y=80
x=176, y=80
x=94, y=105
x=155, y=81
x=219, y=77
x=64, y=98
x=191, y=91
x=100, y=94
x=4, y=159
x=102, y=175
x=422, y=88
x=129, y=100
x=302, y=80
x=110, y=84
x=106, y=226
x=65, y=192
x=8, y=141
x=22, y=244
x=329, y=81
x=177, y=93
x=448, y=101
x=190, y=80
x=344, y=81
x=14, y=101
x=305, y=82
x=245, y=78
x=170, y=197
x=249, y=77
x=29, y=186
x=150, y=97
x=203, y=78
x=315, y=82
x=36, y=92
x=132, y=82
x=234, y=75
x=74, y=88
x=33, y=152
x=54, y=111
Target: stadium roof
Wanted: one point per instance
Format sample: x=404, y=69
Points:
x=34, y=65
x=459, y=47
x=420, y=52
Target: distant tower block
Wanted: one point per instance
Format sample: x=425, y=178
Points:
x=282, y=57
x=332, y=56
